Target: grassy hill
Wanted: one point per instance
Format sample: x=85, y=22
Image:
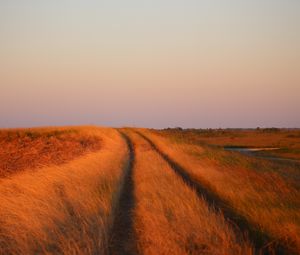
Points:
x=93, y=190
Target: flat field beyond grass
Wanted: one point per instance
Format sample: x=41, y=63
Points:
x=286, y=140
x=90, y=190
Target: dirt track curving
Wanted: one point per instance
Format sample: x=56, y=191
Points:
x=123, y=239
x=262, y=242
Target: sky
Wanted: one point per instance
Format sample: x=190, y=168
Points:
x=158, y=63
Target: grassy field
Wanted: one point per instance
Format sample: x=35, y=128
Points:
x=287, y=141
x=89, y=190
x=67, y=208
x=264, y=193
x=19, y=148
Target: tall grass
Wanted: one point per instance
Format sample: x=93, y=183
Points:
x=66, y=209
x=169, y=217
x=258, y=192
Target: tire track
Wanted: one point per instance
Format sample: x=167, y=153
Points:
x=122, y=240
x=262, y=242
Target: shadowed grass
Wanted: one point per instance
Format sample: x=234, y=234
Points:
x=23, y=149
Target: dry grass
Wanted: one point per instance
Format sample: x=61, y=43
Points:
x=72, y=203
x=169, y=217
x=267, y=196
x=64, y=209
x=287, y=140
x=22, y=149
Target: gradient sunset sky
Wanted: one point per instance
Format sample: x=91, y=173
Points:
x=155, y=63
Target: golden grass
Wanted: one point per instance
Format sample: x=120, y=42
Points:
x=70, y=205
x=258, y=192
x=22, y=149
x=169, y=217
x=66, y=209
x=287, y=140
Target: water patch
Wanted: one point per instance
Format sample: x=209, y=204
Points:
x=253, y=152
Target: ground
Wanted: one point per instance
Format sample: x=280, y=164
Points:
x=92, y=190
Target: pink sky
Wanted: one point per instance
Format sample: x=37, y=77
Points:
x=150, y=63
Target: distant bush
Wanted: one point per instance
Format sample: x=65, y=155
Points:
x=271, y=130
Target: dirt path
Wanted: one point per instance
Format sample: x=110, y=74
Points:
x=262, y=242
x=169, y=217
x=122, y=241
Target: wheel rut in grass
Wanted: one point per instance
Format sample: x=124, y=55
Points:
x=122, y=240
x=263, y=243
